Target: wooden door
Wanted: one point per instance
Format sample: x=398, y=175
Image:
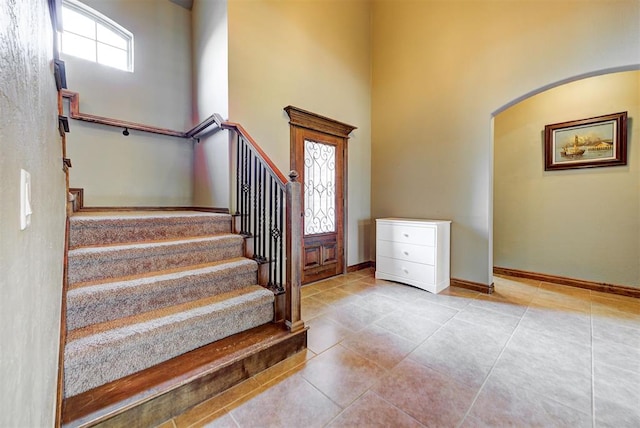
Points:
x=319, y=157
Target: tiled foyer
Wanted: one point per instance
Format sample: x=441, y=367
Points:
x=381, y=354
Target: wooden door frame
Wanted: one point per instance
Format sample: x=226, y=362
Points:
x=303, y=119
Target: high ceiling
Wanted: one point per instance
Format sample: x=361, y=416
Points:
x=187, y=4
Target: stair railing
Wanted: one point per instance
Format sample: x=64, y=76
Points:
x=268, y=210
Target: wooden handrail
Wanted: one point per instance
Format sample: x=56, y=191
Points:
x=75, y=113
x=241, y=131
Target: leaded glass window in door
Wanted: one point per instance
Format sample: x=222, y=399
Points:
x=319, y=188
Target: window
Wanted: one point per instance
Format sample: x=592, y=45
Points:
x=92, y=36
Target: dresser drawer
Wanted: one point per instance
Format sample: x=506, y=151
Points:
x=406, y=270
x=407, y=234
x=409, y=252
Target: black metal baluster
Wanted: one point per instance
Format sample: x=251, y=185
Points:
x=243, y=147
x=274, y=234
x=263, y=231
x=251, y=155
x=254, y=211
x=259, y=219
x=237, y=176
x=281, y=228
x=245, y=191
x=270, y=227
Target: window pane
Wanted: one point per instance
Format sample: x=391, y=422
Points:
x=319, y=188
x=106, y=35
x=78, y=46
x=78, y=23
x=111, y=56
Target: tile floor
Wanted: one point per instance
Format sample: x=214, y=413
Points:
x=382, y=354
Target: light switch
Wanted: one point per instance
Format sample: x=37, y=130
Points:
x=25, y=199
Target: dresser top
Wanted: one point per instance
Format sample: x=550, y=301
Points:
x=412, y=220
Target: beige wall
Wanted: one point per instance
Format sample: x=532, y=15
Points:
x=141, y=169
x=441, y=70
x=31, y=260
x=314, y=55
x=211, y=95
x=576, y=223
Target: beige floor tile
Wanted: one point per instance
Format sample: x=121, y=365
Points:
x=500, y=404
x=379, y=345
x=308, y=290
x=216, y=404
x=395, y=355
x=291, y=403
x=324, y=333
x=434, y=312
x=617, y=396
x=336, y=297
x=480, y=316
x=412, y=327
x=356, y=287
x=509, y=305
x=352, y=316
x=540, y=375
x=221, y=419
x=292, y=364
x=462, y=351
x=326, y=284
x=371, y=411
x=312, y=307
x=341, y=374
x=428, y=396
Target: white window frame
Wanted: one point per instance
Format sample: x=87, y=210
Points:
x=99, y=18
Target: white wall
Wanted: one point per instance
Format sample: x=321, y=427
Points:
x=211, y=95
x=441, y=70
x=315, y=55
x=576, y=223
x=31, y=261
x=141, y=169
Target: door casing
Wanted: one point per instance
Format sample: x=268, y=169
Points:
x=313, y=126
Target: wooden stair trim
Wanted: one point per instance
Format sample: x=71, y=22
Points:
x=175, y=385
x=602, y=287
x=268, y=162
x=471, y=285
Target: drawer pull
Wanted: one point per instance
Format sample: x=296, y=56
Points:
x=406, y=235
x=406, y=270
x=406, y=253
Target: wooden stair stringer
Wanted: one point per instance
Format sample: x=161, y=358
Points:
x=157, y=394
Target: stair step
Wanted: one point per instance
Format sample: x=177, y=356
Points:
x=157, y=394
x=117, y=227
x=95, y=303
x=113, y=261
x=101, y=353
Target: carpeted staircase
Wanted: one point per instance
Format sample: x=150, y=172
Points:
x=147, y=286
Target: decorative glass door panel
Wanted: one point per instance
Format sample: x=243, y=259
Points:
x=319, y=159
x=319, y=188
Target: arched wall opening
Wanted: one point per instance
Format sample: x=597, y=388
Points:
x=579, y=223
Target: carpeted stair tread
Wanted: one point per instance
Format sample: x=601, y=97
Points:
x=100, y=262
x=103, y=352
x=108, y=227
x=144, y=317
x=151, y=274
x=105, y=301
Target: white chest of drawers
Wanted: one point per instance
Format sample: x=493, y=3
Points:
x=414, y=252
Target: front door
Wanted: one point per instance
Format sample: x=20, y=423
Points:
x=319, y=158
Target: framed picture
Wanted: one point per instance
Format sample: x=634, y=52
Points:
x=586, y=143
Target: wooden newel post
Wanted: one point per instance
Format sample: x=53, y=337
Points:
x=294, y=253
